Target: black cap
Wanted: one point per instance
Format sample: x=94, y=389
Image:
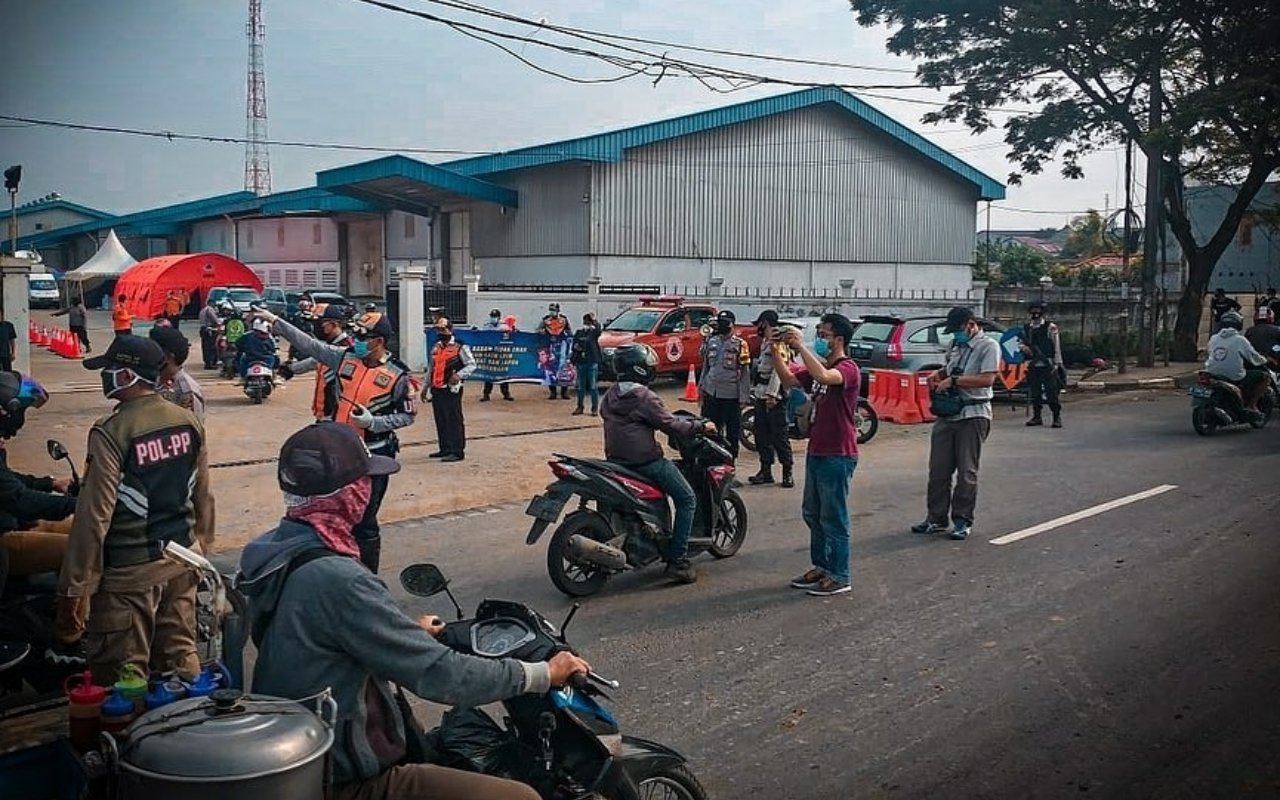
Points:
x=172, y=342
x=137, y=353
x=322, y=458
x=372, y=323
x=337, y=312
x=1035, y=305
x=957, y=318
x=767, y=317
x=727, y=315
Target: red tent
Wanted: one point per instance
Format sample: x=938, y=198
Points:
x=148, y=283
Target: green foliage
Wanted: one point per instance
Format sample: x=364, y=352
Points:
x=1009, y=264
x=1087, y=236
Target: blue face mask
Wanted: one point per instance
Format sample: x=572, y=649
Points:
x=822, y=347
x=962, y=337
x=360, y=348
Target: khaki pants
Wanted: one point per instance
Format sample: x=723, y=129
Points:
x=955, y=448
x=41, y=549
x=431, y=782
x=144, y=615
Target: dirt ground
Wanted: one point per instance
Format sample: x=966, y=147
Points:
x=508, y=442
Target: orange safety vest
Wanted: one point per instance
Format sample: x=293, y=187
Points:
x=440, y=359
x=371, y=387
x=121, y=319
x=321, y=392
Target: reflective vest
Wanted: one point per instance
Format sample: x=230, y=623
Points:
x=324, y=401
x=371, y=387
x=440, y=361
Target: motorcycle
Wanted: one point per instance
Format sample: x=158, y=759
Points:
x=259, y=380
x=565, y=743
x=868, y=422
x=630, y=524
x=1218, y=403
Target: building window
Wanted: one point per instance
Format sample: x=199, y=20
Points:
x=280, y=235
x=409, y=226
x=315, y=233
x=39, y=226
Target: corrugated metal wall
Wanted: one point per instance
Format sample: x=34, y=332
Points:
x=551, y=220
x=807, y=185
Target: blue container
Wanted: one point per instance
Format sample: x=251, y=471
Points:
x=161, y=694
x=210, y=679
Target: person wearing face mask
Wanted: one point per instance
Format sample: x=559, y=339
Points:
x=321, y=622
x=448, y=366
x=495, y=323
x=725, y=378
x=374, y=395
x=556, y=326
x=955, y=444
x=145, y=484
x=176, y=384
x=1045, y=372
x=330, y=325
x=769, y=398
x=256, y=346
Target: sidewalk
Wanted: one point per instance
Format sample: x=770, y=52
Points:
x=1177, y=375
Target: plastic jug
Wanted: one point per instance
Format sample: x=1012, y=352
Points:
x=84, y=705
x=162, y=693
x=210, y=679
x=117, y=712
x=133, y=685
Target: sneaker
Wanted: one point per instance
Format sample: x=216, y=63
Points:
x=1035, y=422
x=1057, y=422
x=928, y=527
x=787, y=481
x=452, y=458
x=760, y=478
x=961, y=531
x=508, y=398
x=67, y=654
x=577, y=412
x=808, y=580
x=827, y=587
x=484, y=398
x=438, y=454
x=681, y=571
x=595, y=413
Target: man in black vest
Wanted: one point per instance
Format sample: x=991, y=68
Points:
x=1045, y=371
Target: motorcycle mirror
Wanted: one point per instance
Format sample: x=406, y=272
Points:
x=564, y=626
x=56, y=450
x=426, y=580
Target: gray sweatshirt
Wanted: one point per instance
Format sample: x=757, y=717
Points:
x=336, y=626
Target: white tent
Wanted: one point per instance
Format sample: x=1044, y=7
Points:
x=110, y=261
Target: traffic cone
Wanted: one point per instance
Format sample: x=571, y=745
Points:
x=73, y=346
x=60, y=342
x=690, y=387
x=44, y=336
x=33, y=333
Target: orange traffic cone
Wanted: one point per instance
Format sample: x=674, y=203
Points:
x=59, y=342
x=44, y=336
x=690, y=388
x=33, y=333
x=73, y=346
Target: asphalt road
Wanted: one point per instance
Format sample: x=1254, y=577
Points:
x=1133, y=654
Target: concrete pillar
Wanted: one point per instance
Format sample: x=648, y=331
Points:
x=593, y=296
x=413, y=344
x=846, y=287
x=13, y=293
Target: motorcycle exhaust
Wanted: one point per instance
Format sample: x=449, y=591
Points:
x=586, y=549
x=1223, y=417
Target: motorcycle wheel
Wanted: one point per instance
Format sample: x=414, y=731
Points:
x=569, y=576
x=732, y=529
x=868, y=422
x=1204, y=420
x=747, y=437
x=670, y=783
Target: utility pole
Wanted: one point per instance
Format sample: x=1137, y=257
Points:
x=1124, y=287
x=12, y=177
x=1154, y=224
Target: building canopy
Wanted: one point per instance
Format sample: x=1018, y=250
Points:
x=111, y=261
x=148, y=283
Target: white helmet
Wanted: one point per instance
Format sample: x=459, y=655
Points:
x=1264, y=314
x=261, y=325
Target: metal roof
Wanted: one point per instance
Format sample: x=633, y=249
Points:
x=50, y=205
x=410, y=185
x=611, y=146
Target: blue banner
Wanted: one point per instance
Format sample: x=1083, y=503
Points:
x=515, y=356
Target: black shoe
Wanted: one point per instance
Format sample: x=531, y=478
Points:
x=438, y=454
x=564, y=395
x=508, y=398
x=927, y=527
x=1057, y=421
x=484, y=398
x=451, y=458
x=553, y=395
x=681, y=571
x=577, y=412
x=67, y=654
x=764, y=476
x=1035, y=421
x=787, y=481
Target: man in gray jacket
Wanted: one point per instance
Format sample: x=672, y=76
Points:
x=77, y=321
x=322, y=620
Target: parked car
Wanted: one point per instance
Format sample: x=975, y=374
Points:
x=291, y=299
x=672, y=327
x=915, y=344
x=242, y=297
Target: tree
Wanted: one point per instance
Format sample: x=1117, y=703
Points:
x=1087, y=236
x=1010, y=264
x=1090, y=69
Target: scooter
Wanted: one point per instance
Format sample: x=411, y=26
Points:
x=565, y=743
x=1217, y=403
x=259, y=380
x=868, y=421
x=630, y=524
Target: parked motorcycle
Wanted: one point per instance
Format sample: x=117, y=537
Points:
x=565, y=743
x=259, y=380
x=868, y=423
x=630, y=523
x=1217, y=403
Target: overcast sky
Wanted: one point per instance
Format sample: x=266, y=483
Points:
x=346, y=72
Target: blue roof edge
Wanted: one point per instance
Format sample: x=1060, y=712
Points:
x=399, y=166
x=36, y=206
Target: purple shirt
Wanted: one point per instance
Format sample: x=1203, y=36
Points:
x=833, y=430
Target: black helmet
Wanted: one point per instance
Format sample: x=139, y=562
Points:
x=637, y=363
x=18, y=392
x=1232, y=319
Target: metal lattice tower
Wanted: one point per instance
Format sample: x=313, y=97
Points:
x=257, y=165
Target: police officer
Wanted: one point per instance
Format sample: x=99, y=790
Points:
x=1045, y=372
x=448, y=366
x=330, y=325
x=374, y=395
x=725, y=379
x=770, y=407
x=146, y=483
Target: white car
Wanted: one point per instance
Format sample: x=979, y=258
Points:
x=242, y=297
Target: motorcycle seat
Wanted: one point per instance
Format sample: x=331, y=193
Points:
x=612, y=466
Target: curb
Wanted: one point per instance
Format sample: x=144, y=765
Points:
x=1128, y=386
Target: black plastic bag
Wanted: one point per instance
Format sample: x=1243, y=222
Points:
x=469, y=739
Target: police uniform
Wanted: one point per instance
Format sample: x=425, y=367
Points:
x=324, y=399
x=449, y=360
x=146, y=484
x=385, y=389
x=725, y=383
x=1043, y=365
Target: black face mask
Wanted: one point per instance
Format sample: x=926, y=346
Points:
x=444, y=338
x=723, y=326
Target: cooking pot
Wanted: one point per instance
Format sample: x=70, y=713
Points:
x=250, y=747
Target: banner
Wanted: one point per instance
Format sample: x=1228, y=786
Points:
x=514, y=356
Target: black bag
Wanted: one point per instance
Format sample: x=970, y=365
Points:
x=947, y=403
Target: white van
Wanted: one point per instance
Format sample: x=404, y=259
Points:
x=42, y=291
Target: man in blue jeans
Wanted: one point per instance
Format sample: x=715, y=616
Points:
x=631, y=413
x=835, y=381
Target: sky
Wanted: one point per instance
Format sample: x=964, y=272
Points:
x=342, y=71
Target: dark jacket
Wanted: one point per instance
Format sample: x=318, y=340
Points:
x=26, y=498
x=631, y=413
x=257, y=346
x=586, y=345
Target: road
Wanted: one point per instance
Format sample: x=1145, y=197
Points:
x=1134, y=653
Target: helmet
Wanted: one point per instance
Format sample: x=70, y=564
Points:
x=18, y=392
x=1232, y=319
x=1264, y=314
x=261, y=326
x=637, y=363
x=494, y=313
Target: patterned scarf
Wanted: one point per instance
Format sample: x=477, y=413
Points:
x=333, y=515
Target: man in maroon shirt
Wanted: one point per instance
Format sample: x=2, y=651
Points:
x=834, y=380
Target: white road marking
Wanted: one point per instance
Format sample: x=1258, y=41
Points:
x=1092, y=511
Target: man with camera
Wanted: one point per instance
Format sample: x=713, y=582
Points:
x=1046, y=374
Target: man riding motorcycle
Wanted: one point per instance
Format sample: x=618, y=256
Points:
x=1265, y=335
x=257, y=346
x=1232, y=358
x=632, y=412
x=323, y=621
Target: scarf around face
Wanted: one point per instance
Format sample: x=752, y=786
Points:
x=332, y=516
